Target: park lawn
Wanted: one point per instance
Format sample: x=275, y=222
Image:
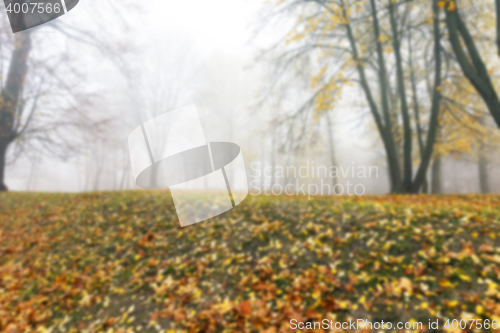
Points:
x=119, y=262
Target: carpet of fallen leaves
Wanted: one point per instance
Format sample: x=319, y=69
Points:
x=120, y=262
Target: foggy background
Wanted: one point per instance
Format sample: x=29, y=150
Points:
x=169, y=54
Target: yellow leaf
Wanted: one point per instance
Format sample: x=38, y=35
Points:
x=383, y=38
x=445, y=283
x=465, y=277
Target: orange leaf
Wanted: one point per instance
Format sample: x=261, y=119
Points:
x=245, y=308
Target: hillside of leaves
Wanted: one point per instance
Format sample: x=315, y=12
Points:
x=120, y=262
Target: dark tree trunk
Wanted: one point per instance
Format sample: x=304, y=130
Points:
x=497, y=4
x=333, y=160
x=471, y=62
x=484, y=184
x=262, y=168
x=9, y=97
x=392, y=156
x=407, y=144
x=435, y=106
x=436, y=182
x=416, y=108
x=273, y=157
x=3, y=153
x=425, y=186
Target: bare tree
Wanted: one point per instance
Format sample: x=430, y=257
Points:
x=42, y=101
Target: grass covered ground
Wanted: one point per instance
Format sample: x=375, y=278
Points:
x=117, y=262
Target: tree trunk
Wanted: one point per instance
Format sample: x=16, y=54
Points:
x=333, y=161
x=32, y=176
x=425, y=186
x=273, y=157
x=9, y=97
x=436, y=183
x=484, y=184
x=3, y=153
x=435, y=106
x=471, y=62
x=407, y=144
x=384, y=88
x=262, y=167
x=416, y=108
x=497, y=5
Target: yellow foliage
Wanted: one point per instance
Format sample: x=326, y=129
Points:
x=452, y=6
